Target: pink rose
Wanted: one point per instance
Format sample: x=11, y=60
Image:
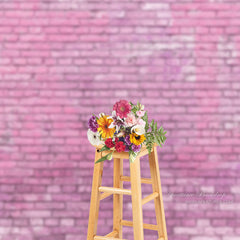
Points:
x=140, y=113
x=141, y=122
x=131, y=119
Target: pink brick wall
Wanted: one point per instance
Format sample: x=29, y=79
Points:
x=62, y=60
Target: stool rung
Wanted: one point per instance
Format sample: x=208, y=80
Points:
x=150, y=197
x=106, y=238
x=145, y=225
x=143, y=180
x=105, y=195
x=115, y=190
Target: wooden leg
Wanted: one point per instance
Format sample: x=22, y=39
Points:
x=136, y=199
x=95, y=198
x=160, y=216
x=117, y=198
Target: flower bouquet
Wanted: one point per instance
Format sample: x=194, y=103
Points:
x=126, y=130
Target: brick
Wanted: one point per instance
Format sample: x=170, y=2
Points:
x=153, y=6
x=67, y=222
x=35, y=213
x=36, y=222
x=51, y=222
x=61, y=61
x=235, y=189
x=204, y=237
x=230, y=238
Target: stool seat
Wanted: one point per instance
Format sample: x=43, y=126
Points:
x=124, y=155
x=101, y=192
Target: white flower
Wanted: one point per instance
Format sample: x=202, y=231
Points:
x=112, y=125
x=120, y=134
x=114, y=114
x=101, y=115
x=115, y=119
x=94, y=137
x=138, y=129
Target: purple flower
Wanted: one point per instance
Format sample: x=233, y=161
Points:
x=127, y=148
x=136, y=148
x=117, y=121
x=127, y=140
x=92, y=124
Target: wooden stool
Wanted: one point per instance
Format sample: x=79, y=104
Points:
x=99, y=193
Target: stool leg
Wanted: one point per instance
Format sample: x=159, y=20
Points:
x=95, y=197
x=155, y=175
x=117, y=198
x=135, y=177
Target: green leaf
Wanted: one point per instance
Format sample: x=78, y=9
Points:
x=157, y=140
x=109, y=156
x=149, y=147
x=160, y=136
x=138, y=106
x=132, y=156
x=106, y=157
x=145, y=118
x=151, y=124
x=155, y=127
x=134, y=109
x=104, y=148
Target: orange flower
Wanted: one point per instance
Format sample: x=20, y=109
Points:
x=104, y=122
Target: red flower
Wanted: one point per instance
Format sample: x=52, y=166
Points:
x=122, y=108
x=109, y=143
x=120, y=147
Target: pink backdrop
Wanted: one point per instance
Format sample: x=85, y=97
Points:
x=61, y=60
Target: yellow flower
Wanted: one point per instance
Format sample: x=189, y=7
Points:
x=137, y=139
x=104, y=123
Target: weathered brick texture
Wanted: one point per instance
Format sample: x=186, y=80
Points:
x=62, y=60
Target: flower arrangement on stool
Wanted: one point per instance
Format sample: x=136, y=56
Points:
x=126, y=130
